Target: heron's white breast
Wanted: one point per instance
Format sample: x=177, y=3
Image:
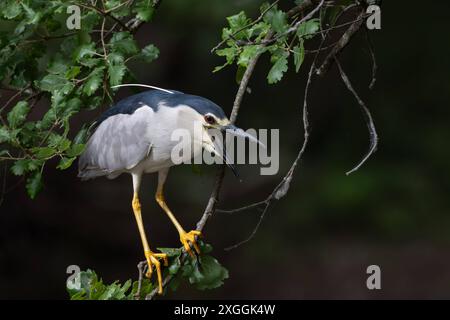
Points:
x=161, y=126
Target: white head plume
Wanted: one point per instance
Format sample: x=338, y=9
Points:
x=142, y=85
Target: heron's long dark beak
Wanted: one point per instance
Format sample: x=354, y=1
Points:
x=238, y=132
x=223, y=151
x=232, y=129
x=230, y=165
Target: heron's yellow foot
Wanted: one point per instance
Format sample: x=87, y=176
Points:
x=153, y=260
x=188, y=239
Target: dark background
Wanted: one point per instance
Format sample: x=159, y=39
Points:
x=315, y=243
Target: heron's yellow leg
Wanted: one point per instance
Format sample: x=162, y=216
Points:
x=186, y=238
x=151, y=257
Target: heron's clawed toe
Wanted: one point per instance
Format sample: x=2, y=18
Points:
x=153, y=260
x=163, y=257
x=188, y=239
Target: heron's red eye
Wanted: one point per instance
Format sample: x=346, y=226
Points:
x=210, y=119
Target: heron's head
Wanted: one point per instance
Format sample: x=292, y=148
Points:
x=213, y=121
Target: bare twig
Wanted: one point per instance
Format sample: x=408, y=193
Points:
x=300, y=8
x=11, y=99
x=104, y=14
x=244, y=208
x=342, y=43
x=17, y=94
x=141, y=269
x=102, y=39
x=374, y=61
x=367, y=116
x=105, y=57
x=213, y=199
x=64, y=35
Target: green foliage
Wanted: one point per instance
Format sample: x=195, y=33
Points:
x=204, y=273
x=279, y=67
x=34, y=184
x=299, y=55
x=307, y=29
x=149, y=53
x=18, y=114
x=62, y=72
x=272, y=32
x=144, y=10
x=87, y=286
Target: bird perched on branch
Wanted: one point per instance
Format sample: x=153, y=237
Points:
x=134, y=136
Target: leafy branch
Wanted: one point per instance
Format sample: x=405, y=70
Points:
x=44, y=64
x=204, y=273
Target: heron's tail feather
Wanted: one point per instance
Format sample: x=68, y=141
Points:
x=91, y=174
x=86, y=170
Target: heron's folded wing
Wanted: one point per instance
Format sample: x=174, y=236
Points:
x=119, y=143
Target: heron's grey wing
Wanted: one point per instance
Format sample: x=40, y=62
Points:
x=119, y=143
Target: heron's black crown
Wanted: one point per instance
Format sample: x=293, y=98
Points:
x=153, y=99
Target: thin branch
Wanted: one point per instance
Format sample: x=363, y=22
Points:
x=342, y=43
x=104, y=14
x=244, y=208
x=255, y=229
x=374, y=61
x=109, y=31
x=373, y=137
x=141, y=269
x=213, y=199
x=10, y=100
x=102, y=39
x=325, y=48
x=64, y=35
x=300, y=8
x=105, y=57
x=17, y=94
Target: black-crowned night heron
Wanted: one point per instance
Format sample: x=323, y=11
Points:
x=134, y=136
